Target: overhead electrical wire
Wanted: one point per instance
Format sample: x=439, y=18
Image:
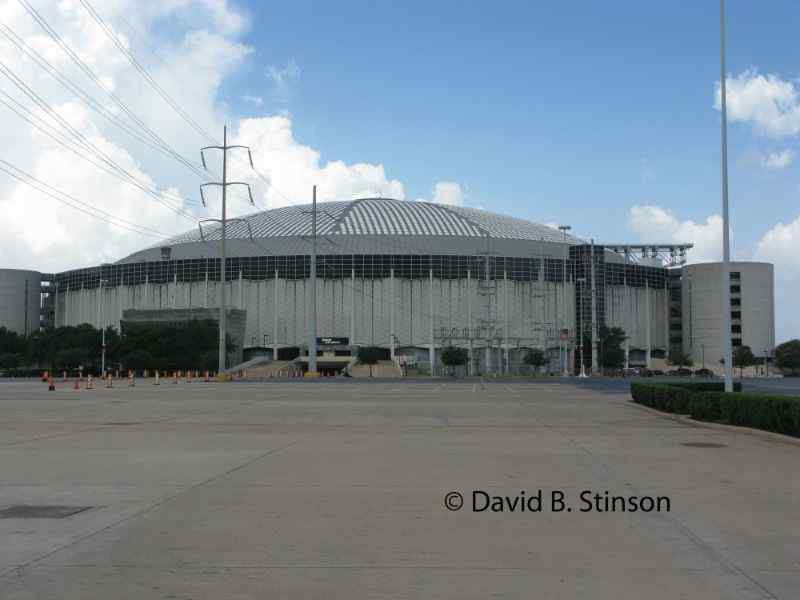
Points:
x=39, y=123
x=47, y=66
x=109, y=31
x=74, y=202
x=89, y=72
x=86, y=143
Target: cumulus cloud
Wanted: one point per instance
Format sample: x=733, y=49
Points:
x=781, y=246
x=776, y=161
x=292, y=168
x=655, y=224
x=448, y=192
x=770, y=104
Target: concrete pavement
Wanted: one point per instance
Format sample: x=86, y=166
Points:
x=336, y=490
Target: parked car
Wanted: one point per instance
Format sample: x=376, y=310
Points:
x=632, y=372
x=682, y=372
x=704, y=373
x=656, y=372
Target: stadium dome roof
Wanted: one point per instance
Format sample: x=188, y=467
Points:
x=365, y=226
x=377, y=217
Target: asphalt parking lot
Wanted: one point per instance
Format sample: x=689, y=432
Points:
x=345, y=490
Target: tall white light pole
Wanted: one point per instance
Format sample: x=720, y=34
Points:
x=564, y=343
x=726, y=242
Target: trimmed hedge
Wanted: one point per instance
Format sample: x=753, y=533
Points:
x=780, y=414
x=705, y=386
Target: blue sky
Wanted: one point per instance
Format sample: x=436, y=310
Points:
x=558, y=112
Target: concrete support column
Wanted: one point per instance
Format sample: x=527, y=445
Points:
x=391, y=314
x=175, y=291
x=353, y=307
x=626, y=319
x=469, y=323
x=205, y=296
x=275, y=318
x=507, y=365
x=432, y=352
x=666, y=319
x=648, y=327
x=595, y=341
x=241, y=291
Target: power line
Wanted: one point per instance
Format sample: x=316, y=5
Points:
x=74, y=202
x=144, y=73
x=159, y=90
x=90, y=101
x=89, y=72
x=28, y=115
x=85, y=142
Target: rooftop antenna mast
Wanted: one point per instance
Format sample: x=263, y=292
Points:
x=223, y=309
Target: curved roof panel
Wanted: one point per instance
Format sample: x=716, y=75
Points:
x=378, y=217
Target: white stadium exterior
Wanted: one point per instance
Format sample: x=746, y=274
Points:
x=409, y=277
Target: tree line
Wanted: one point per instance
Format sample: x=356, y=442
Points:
x=168, y=346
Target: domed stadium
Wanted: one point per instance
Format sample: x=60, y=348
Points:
x=408, y=277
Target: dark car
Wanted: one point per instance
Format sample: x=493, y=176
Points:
x=682, y=372
x=704, y=373
x=656, y=372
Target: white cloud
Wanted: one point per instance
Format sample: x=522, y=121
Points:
x=777, y=160
x=293, y=168
x=769, y=103
x=781, y=246
x=254, y=100
x=448, y=192
x=655, y=224
x=282, y=80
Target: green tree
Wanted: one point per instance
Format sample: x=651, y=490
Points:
x=535, y=357
x=138, y=360
x=743, y=357
x=453, y=357
x=612, y=355
x=71, y=358
x=369, y=355
x=678, y=358
x=787, y=357
x=10, y=360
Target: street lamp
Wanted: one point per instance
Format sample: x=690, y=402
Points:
x=102, y=328
x=563, y=343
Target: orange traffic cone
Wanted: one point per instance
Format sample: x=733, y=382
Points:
x=131, y=379
x=109, y=381
x=50, y=385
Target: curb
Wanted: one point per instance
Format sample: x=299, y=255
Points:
x=688, y=420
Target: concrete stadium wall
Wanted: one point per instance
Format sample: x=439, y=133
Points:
x=20, y=300
x=367, y=311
